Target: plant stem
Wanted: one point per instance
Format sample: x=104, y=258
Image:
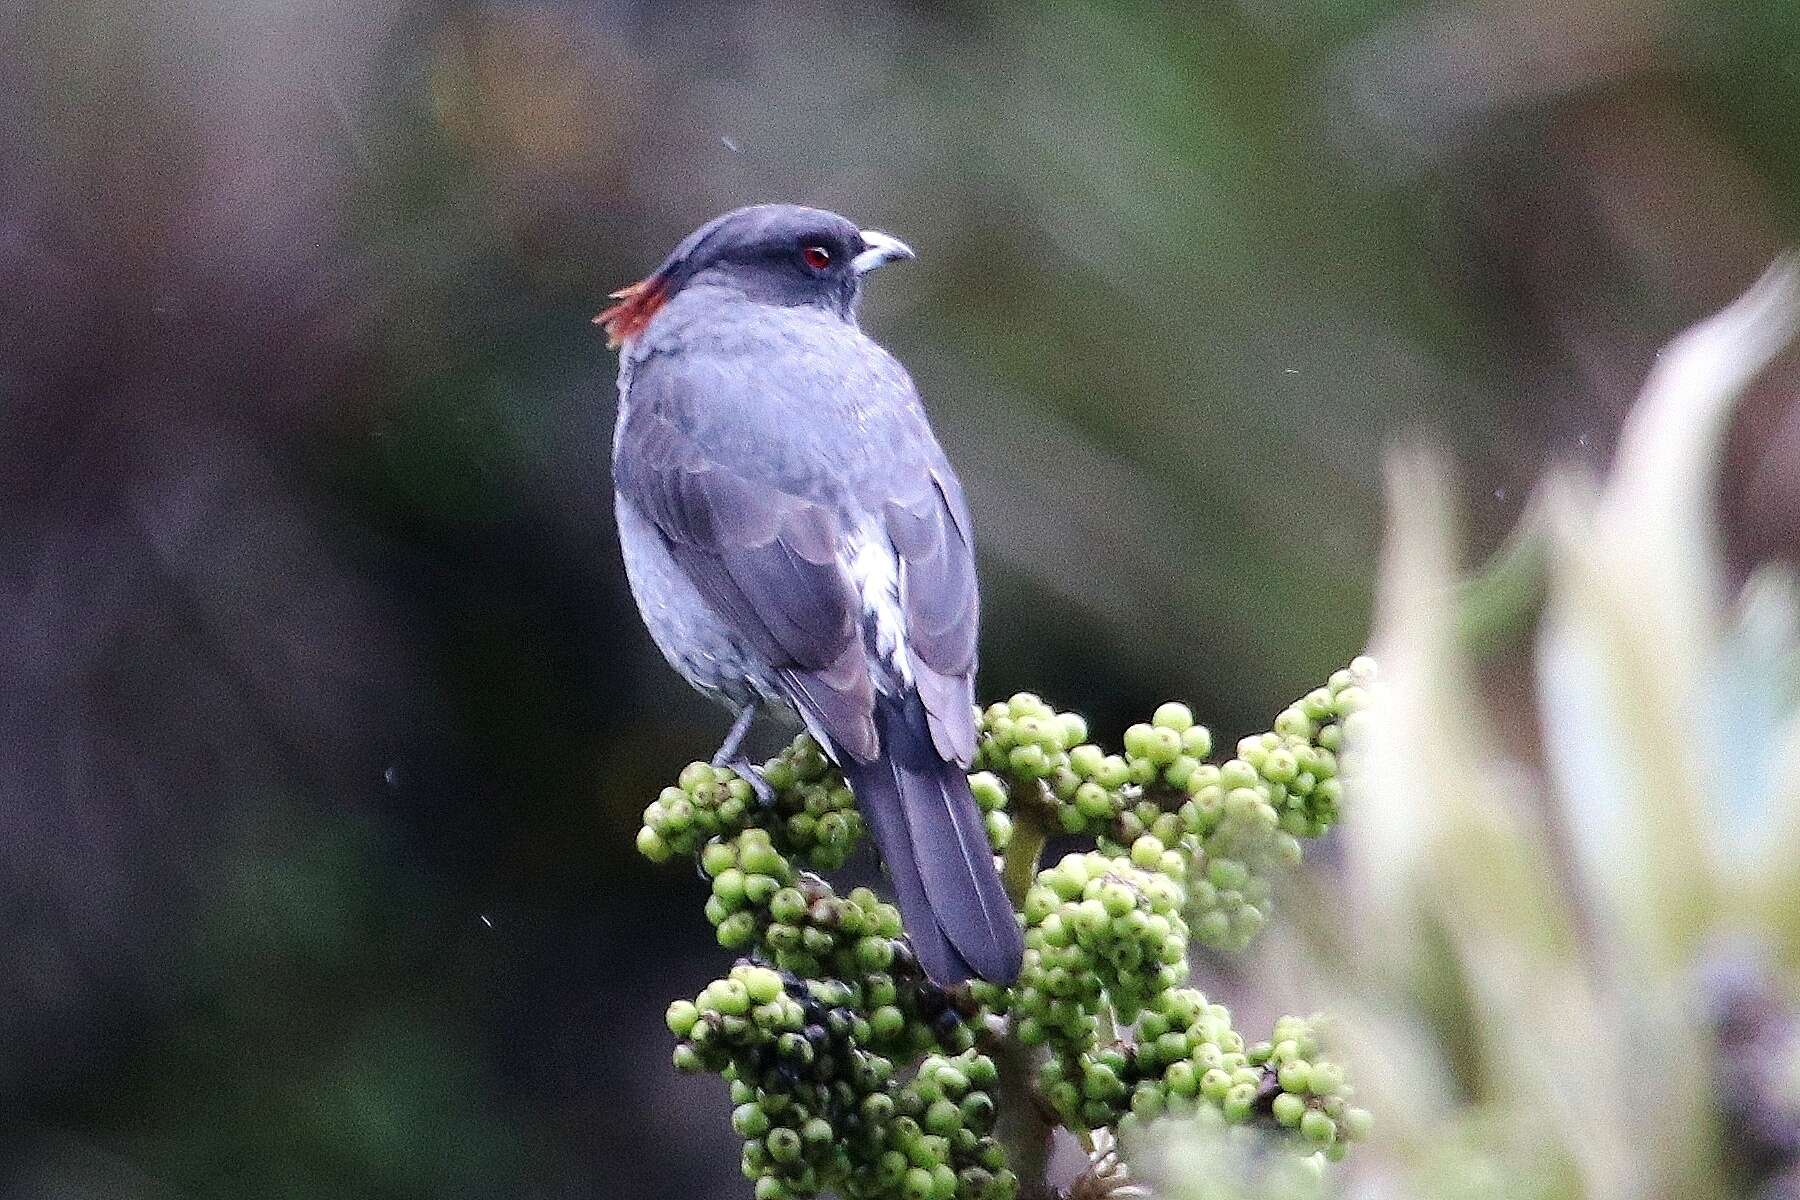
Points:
x=1019, y=863
x=1023, y=1128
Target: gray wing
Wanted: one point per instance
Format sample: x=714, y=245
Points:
x=928, y=523
x=767, y=561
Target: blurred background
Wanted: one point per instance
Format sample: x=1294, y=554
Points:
x=325, y=718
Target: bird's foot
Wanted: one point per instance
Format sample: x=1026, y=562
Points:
x=752, y=775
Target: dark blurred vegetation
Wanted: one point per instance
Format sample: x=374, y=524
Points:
x=324, y=716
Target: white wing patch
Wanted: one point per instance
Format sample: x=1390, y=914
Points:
x=875, y=571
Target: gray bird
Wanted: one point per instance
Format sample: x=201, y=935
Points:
x=797, y=542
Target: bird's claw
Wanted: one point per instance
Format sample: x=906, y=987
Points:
x=752, y=775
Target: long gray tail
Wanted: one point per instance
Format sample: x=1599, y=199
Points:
x=929, y=831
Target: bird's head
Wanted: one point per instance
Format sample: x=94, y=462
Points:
x=779, y=254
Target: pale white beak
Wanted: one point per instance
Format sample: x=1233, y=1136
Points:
x=882, y=248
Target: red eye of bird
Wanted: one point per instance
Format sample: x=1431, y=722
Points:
x=817, y=257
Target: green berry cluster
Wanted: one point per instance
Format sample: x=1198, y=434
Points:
x=795, y=920
x=1184, y=1058
x=1099, y=932
x=1026, y=748
x=992, y=796
x=1313, y=1099
x=1246, y=816
x=1077, y=787
x=1235, y=824
x=1025, y=738
x=812, y=1069
x=705, y=802
x=851, y=1072
x=747, y=872
x=943, y=1135
x=1166, y=750
x=813, y=818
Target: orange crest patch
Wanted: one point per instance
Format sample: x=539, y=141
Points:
x=637, y=303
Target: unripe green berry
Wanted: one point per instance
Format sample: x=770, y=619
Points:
x=651, y=845
x=1028, y=761
x=750, y=1120
x=874, y=954
x=887, y=1023
x=977, y=1110
x=1318, y=1128
x=989, y=792
x=737, y=931
x=943, y=1116
x=1173, y=716
x=1099, y=1082
x=726, y=996
x=1113, y=772
x=1164, y=747
x=758, y=857
x=784, y=1144
x=1324, y=1079
x=717, y=858
x=1094, y=802
x=729, y=888
x=681, y=1017
x=1086, y=760
x=1117, y=899
x=787, y=906
x=1227, y=873
x=1235, y=774
x=1072, y=730
x=762, y=984
x=1180, y=1078
x=952, y=1082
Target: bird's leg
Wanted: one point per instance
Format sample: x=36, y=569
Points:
x=731, y=755
x=728, y=749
